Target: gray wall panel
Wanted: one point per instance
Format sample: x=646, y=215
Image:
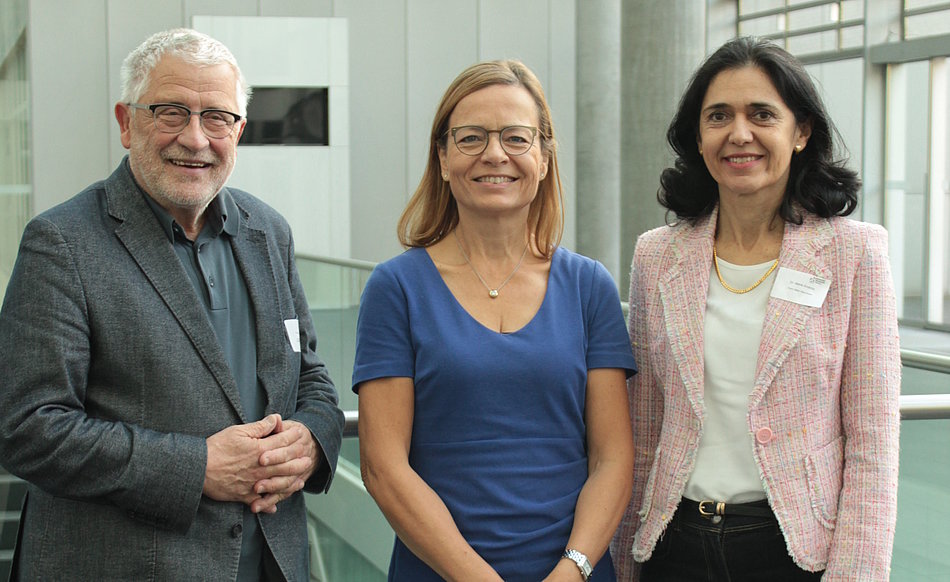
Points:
x=219, y=8
x=434, y=58
x=312, y=8
x=403, y=54
x=69, y=98
x=561, y=91
x=128, y=24
x=377, y=36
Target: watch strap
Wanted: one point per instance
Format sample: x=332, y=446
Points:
x=583, y=564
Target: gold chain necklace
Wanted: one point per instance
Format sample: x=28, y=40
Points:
x=492, y=292
x=729, y=287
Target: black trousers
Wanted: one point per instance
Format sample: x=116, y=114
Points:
x=695, y=548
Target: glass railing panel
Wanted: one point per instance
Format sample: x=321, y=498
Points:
x=348, y=524
x=335, y=560
x=355, y=522
x=350, y=539
x=12, y=491
x=922, y=537
x=333, y=289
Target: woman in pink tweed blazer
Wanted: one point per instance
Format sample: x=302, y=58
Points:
x=766, y=412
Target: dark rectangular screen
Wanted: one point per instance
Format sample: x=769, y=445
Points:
x=287, y=116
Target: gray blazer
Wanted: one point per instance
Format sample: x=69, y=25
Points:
x=111, y=378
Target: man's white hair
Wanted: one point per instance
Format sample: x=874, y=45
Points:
x=186, y=44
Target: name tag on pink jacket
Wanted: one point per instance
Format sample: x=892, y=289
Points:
x=801, y=288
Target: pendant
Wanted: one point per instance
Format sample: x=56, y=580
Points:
x=493, y=293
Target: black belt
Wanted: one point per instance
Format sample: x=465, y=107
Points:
x=709, y=509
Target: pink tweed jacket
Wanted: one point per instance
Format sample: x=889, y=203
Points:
x=824, y=409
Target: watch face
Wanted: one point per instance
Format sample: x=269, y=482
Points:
x=581, y=560
x=585, y=566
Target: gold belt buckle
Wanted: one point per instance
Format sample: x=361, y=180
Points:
x=720, y=508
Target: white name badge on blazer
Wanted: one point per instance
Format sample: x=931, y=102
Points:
x=293, y=333
x=801, y=288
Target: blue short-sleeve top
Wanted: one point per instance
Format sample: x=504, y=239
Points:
x=498, y=426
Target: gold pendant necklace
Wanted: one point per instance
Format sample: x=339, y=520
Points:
x=492, y=292
x=747, y=289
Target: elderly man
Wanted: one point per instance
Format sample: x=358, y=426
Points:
x=161, y=390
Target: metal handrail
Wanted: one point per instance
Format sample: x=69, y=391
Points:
x=351, y=420
x=925, y=361
x=349, y=263
x=909, y=358
x=925, y=406
x=913, y=407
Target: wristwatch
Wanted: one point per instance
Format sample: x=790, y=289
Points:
x=583, y=564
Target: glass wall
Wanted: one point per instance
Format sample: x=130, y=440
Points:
x=15, y=176
x=918, y=188
x=15, y=206
x=833, y=39
x=805, y=27
x=905, y=183
x=923, y=18
x=921, y=88
x=841, y=84
x=938, y=187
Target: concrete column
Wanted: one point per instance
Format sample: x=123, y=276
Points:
x=598, y=132
x=662, y=44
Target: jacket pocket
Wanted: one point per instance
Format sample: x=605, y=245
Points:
x=824, y=468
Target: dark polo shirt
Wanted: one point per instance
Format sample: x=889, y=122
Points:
x=219, y=284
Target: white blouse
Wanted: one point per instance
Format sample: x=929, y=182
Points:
x=725, y=469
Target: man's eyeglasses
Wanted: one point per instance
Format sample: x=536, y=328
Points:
x=472, y=140
x=171, y=118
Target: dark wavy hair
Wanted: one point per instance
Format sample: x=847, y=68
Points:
x=818, y=182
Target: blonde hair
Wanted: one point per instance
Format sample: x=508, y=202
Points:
x=431, y=213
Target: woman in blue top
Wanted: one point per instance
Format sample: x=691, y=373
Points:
x=490, y=363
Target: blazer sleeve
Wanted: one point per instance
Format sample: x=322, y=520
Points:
x=46, y=435
x=646, y=415
x=317, y=398
x=870, y=410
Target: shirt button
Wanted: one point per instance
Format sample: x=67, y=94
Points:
x=763, y=435
x=236, y=530
x=211, y=281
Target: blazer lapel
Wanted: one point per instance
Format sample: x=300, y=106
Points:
x=683, y=291
x=785, y=321
x=144, y=239
x=251, y=252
